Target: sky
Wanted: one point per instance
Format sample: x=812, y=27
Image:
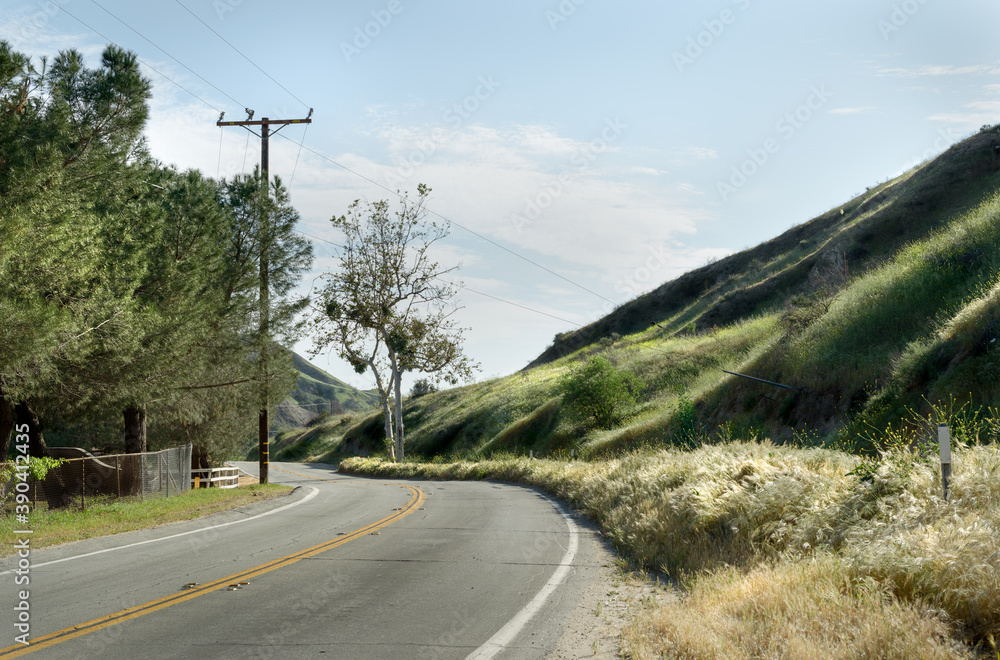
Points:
x=584, y=151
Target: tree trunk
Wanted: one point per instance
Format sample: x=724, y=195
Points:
x=398, y=397
x=388, y=428
x=135, y=429
x=57, y=493
x=6, y=425
x=36, y=441
x=384, y=398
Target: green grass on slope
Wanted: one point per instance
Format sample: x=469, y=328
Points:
x=522, y=412
x=910, y=321
x=865, y=231
x=318, y=442
x=871, y=323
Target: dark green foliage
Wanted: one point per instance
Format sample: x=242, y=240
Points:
x=685, y=430
x=600, y=391
x=421, y=387
x=533, y=431
x=125, y=284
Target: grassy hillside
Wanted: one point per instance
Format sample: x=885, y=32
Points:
x=876, y=313
x=849, y=239
x=313, y=392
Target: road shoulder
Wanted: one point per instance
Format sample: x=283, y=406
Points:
x=611, y=600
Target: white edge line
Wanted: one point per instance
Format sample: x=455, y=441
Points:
x=499, y=641
x=315, y=491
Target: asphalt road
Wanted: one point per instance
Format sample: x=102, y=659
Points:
x=345, y=567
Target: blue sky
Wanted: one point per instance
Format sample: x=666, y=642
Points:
x=616, y=144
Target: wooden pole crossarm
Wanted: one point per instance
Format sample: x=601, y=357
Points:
x=261, y=122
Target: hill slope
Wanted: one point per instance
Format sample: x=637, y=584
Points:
x=852, y=237
x=313, y=393
x=880, y=314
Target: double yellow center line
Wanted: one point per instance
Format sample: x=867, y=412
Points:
x=45, y=641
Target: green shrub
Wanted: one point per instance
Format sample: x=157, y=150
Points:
x=600, y=391
x=422, y=387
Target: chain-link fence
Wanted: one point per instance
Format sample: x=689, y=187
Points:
x=148, y=475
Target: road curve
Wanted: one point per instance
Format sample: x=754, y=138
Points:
x=345, y=567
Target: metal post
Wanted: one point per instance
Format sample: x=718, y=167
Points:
x=83, y=483
x=944, y=444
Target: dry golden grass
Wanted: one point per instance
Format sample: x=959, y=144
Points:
x=795, y=611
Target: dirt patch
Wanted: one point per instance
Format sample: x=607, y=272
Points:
x=612, y=600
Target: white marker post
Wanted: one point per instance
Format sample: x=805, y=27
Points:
x=944, y=443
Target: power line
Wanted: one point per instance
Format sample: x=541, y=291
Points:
x=241, y=54
x=302, y=146
x=297, y=155
x=536, y=311
x=141, y=61
x=218, y=167
x=463, y=286
x=476, y=234
x=166, y=53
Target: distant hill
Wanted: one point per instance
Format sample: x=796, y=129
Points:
x=313, y=393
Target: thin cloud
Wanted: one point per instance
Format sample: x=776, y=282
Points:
x=859, y=110
x=978, y=113
x=936, y=70
x=694, y=153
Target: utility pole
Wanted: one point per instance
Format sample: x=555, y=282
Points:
x=265, y=286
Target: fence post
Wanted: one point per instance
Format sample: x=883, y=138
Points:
x=944, y=445
x=83, y=484
x=167, y=461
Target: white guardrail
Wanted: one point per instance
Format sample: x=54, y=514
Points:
x=224, y=477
